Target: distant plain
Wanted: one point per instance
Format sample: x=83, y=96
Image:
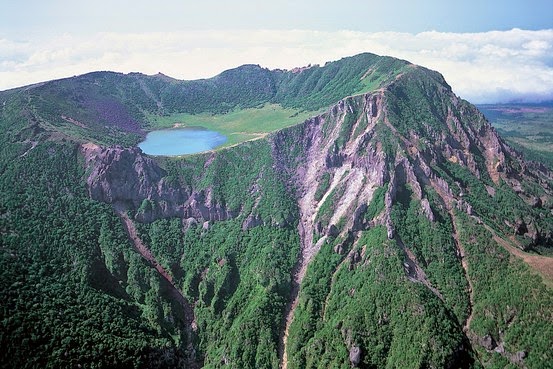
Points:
x=526, y=127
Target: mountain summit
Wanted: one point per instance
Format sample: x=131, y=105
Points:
x=392, y=228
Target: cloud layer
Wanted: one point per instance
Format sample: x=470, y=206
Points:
x=481, y=67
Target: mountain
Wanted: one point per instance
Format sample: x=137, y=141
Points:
x=392, y=228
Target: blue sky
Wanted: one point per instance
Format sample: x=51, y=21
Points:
x=412, y=16
x=487, y=50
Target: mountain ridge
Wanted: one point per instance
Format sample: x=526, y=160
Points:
x=123, y=102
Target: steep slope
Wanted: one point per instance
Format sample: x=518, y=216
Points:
x=371, y=235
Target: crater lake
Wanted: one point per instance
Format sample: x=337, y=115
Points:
x=181, y=141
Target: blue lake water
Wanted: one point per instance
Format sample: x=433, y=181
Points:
x=171, y=142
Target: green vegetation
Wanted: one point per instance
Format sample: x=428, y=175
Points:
x=504, y=206
x=71, y=252
x=434, y=249
x=243, y=103
x=367, y=302
x=326, y=210
x=350, y=118
x=417, y=105
x=377, y=203
x=519, y=321
x=240, y=280
x=247, y=86
x=73, y=291
x=317, y=87
x=323, y=186
x=238, y=125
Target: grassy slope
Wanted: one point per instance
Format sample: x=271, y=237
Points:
x=238, y=125
x=297, y=96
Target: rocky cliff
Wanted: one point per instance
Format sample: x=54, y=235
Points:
x=134, y=181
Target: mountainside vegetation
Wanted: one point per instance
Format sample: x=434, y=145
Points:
x=365, y=216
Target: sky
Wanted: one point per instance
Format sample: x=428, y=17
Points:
x=488, y=50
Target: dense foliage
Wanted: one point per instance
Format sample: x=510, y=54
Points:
x=364, y=300
x=73, y=291
x=239, y=277
x=522, y=321
x=113, y=108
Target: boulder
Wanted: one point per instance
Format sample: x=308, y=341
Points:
x=355, y=356
x=521, y=227
x=427, y=211
x=488, y=342
x=519, y=357
x=537, y=202
x=333, y=231
x=251, y=222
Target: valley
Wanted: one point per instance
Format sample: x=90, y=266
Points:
x=239, y=125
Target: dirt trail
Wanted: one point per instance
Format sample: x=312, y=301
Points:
x=293, y=301
x=175, y=293
x=140, y=247
x=542, y=264
x=308, y=251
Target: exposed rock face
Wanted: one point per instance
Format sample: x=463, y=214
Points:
x=521, y=228
x=126, y=176
x=339, y=143
x=251, y=222
x=360, y=146
x=118, y=174
x=519, y=357
x=427, y=210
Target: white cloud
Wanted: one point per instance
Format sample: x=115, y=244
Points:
x=481, y=67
